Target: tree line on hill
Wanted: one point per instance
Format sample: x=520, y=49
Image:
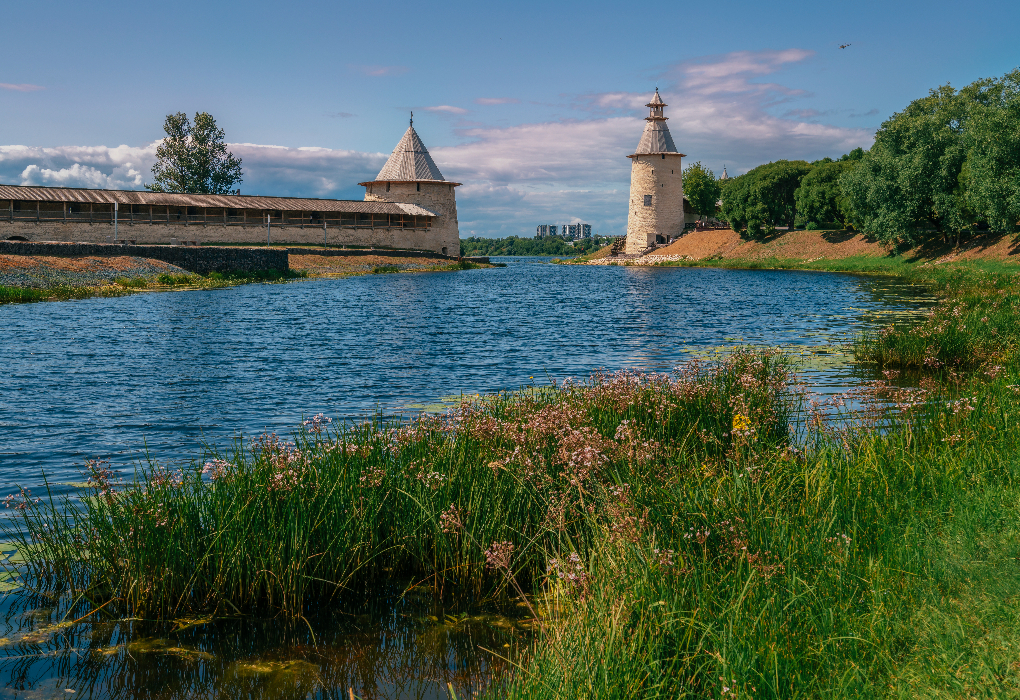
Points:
x=548, y=245
x=944, y=168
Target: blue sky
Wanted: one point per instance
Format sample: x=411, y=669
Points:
x=532, y=105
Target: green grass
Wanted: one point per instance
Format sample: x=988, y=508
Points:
x=61, y=293
x=122, y=286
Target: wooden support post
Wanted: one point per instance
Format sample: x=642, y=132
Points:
x=91, y=212
x=65, y=212
x=37, y=212
x=150, y=215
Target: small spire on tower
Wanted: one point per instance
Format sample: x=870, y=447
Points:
x=412, y=117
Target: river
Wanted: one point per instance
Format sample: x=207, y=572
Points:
x=163, y=375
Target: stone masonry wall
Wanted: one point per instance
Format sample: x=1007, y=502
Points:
x=194, y=259
x=662, y=179
x=161, y=234
x=444, y=236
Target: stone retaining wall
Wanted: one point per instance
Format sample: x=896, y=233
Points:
x=200, y=259
x=436, y=239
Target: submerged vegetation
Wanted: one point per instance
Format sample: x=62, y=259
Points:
x=707, y=534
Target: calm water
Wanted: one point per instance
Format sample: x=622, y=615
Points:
x=167, y=373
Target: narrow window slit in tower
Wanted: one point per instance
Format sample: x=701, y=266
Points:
x=648, y=200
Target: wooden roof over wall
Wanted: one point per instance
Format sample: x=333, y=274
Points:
x=230, y=201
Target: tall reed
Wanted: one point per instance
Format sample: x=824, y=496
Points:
x=282, y=527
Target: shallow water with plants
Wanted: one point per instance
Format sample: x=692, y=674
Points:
x=444, y=543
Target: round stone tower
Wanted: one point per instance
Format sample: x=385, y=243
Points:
x=410, y=176
x=656, y=185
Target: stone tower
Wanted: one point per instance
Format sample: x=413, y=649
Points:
x=410, y=176
x=656, y=185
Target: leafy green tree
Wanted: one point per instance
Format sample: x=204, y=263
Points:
x=819, y=198
x=992, y=169
x=763, y=197
x=947, y=165
x=513, y=245
x=701, y=189
x=908, y=185
x=193, y=158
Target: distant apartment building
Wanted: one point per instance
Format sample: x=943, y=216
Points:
x=572, y=231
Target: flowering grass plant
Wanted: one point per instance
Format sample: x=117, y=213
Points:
x=474, y=499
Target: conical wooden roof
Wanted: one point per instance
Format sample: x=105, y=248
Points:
x=656, y=139
x=410, y=160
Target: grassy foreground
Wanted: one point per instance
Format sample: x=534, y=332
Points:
x=673, y=535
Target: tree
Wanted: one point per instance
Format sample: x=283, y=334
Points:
x=819, y=199
x=945, y=166
x=907, y=187
x=763, y=197
x=193, y=158
x=701, y=188
x=992, y=169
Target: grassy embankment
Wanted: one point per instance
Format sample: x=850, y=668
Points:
x=163, y=282
x=675, y=539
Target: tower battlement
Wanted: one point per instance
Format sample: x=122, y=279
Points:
x=410, y=176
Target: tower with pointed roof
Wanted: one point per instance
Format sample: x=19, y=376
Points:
x=656, y=212
x=410, y=176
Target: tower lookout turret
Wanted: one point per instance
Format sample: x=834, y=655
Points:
x=656, y=184
x=410, y=176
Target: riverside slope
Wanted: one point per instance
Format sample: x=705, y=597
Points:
x=797, y=248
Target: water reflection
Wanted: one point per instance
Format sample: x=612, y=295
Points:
x=389, y=644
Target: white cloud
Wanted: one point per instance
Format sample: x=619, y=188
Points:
x=23, y=87
x=496, y=101
x=516, y=177
x=379, y=71
x=120, y=167
x=269, y=170
x=446, y=108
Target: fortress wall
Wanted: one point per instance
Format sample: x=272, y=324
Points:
x=161, y=234
x=434, y=196
x=194, y=259
x=662, y=179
